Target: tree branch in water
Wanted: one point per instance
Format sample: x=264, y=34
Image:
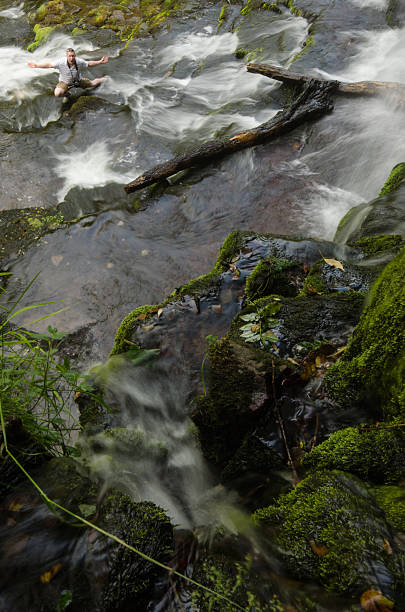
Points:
x=314, y=101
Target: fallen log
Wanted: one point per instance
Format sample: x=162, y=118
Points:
x=361, y=88
x=313, y=102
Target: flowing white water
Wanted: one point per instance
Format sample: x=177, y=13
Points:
x=378, y=4
x=86, y=168
x=18, y=81
x=363, y=139
x=159, y=460
x=13, y=13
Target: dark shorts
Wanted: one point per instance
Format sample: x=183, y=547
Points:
x=83, y=83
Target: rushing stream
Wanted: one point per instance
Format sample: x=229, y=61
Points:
x=164, y=94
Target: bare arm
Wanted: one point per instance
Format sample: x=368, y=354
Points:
x=43, y=65
x=103, y=60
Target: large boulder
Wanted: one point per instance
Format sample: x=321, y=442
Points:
x=372, y=369
x=329, y=529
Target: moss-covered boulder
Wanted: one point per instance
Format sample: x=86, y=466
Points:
x=313, y=319
x=237, y=391
x=382, y=216
x=372, y=370
x=324, y=278
x=374, y=454
x=391, y=499
x=329, y=529
x=236, y=582
x=274, y=275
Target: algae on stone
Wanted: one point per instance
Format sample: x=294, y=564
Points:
x=329, y=529
x=372, y=369
x=374, y=454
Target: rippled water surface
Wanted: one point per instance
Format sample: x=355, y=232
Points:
x=164, y=94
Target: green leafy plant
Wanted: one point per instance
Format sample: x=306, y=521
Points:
x=35, y=386
x=259, y=325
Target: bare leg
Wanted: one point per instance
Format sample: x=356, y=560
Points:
x=59, y=92
x=97, y=81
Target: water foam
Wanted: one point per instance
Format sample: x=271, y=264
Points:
x=162, y=462
x=87, y=168
x=13, y=13
x=18, y=81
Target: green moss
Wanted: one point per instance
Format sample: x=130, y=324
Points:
x=78, y=31
x=372, y=369
x=205, y=283
x=307, y=44
x=273, y=276
x=127, y=19
x=328, y=529
x=373, y=454
x=391, y=14
x=41, y=35
x=376, y=245
x=392, y=500
x=223, y=416
x=269, y=6
x=395, y=179
x=143, y=526
x=251, y=55
x=236, y=581
x=314, y=282
x=122, y=343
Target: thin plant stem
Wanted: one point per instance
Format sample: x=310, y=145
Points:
x=49, y=502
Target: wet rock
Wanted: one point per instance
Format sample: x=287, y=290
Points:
x=324, y=278
x=224, y=415
x=371, y=371
x=329, y=529
x=60, y=555
x=395, y=14
x=318, y=318
x=20, y=229
x=25, y=449
x=125, y=21
x=327, y=45
x=384, y=216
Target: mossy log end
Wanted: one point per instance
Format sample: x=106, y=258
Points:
x=313, y=102
x=361, y=88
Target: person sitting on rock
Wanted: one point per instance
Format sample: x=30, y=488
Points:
x=69, y=72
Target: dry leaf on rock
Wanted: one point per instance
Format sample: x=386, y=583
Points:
x=47, y=576
x=318, y=548
x=334, y=262
x=375, y=601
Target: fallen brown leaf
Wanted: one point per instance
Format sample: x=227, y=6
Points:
x=375, y=601
x=318, y=548
x=387, y=547
x=334, y=262
x=47, y=576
